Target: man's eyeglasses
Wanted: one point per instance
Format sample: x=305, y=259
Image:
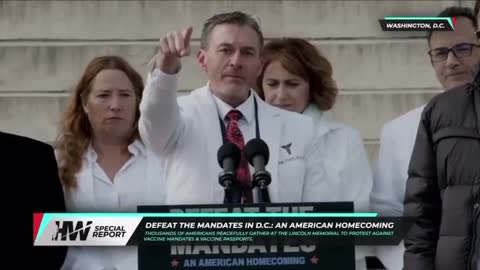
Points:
x=460, y=50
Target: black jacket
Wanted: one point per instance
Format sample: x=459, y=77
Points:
x=443, y=188
x=32, y=185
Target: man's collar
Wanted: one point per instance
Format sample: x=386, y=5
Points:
x=246, y=108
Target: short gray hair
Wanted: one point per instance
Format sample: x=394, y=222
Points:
x=236, y=18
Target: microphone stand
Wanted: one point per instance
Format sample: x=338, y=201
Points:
x=262, y=179
x=227, y=180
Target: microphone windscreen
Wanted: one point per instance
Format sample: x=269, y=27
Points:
x=257, y=147
x=229, y=150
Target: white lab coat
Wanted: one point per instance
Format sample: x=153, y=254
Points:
x=345, y=160
x=390, y=175
x=185, y=132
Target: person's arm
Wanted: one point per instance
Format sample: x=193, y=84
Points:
x=49, y=198
x=160, y=123
x=384, y=197
x=422, y=201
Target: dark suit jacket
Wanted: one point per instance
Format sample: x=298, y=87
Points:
x=33, y=182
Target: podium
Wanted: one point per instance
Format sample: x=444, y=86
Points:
x=248, y=256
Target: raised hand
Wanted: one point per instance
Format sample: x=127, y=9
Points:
x=173, y=46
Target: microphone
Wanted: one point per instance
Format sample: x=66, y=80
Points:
x=258, y=154
x=228, y=157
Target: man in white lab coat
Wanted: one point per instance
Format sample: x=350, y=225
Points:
x=398, y=136
x=187, y=132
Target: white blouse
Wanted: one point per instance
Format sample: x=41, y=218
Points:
x=138, y=182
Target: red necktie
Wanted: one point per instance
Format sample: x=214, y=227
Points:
x=234, y=135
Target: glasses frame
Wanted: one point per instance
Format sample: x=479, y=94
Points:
x=452, y=49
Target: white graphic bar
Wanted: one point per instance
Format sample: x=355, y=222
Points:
x=87, y=231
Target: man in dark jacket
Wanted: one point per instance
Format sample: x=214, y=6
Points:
x=443, y=188
x=30, y=168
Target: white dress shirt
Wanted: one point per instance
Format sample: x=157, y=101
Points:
x=246, y=122
x=138, y=182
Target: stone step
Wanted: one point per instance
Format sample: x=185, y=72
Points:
x=126, y=20
x=369, y=65
x=467, y=3
x=372, y=151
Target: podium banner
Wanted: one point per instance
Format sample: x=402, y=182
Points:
x=227, y=256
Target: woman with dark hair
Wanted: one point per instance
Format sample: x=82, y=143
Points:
x=296, y=77
x=103, y=164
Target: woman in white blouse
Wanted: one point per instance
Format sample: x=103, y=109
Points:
x=296, y=77
x=103, y=164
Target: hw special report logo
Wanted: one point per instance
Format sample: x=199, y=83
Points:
x=403, y=23
x=87, y=230
x=72, y=231
x=67, y=230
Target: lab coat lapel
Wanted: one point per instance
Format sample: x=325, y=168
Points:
x=270, y=131
x=211, y=125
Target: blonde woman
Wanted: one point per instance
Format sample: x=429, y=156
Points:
x=103, y=164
